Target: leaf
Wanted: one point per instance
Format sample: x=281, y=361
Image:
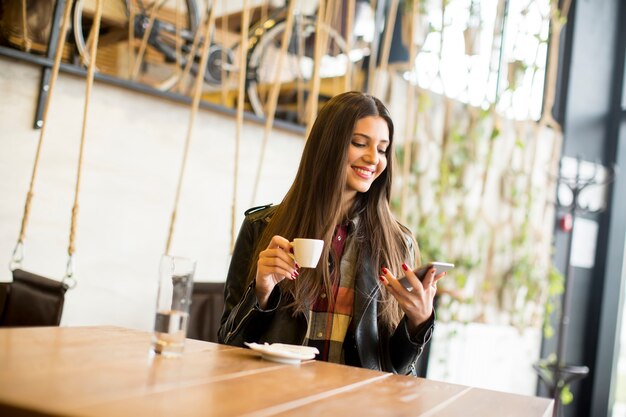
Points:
x=495, y=133
x=548, y=331
x=566, y=395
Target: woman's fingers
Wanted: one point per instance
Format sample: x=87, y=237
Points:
x=277, y=253
x=417, y=303
x=280, y=247
x=436, y=279
x=418, y=286
x=411, y=278
x=277, y=265
x=429, y=277
x=275, y=262
x=279, y=242
x=393, y=285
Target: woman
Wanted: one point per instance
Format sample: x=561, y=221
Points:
x=351, y=307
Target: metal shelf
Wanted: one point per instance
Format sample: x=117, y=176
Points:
x=134, y=86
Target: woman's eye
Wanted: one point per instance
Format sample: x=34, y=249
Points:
x=358, y=145
x=382, y=151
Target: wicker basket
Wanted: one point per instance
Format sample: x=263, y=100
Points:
x=30, y=34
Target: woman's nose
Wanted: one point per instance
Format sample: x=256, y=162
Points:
x=371, y=156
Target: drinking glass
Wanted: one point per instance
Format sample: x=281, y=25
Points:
x=172, y=307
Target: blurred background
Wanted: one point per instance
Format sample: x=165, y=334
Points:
x=509, y=118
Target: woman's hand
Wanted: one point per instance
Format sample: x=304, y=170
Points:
x=417, y=304
x=274, y=265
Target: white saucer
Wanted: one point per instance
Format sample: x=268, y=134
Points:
x=283, y=353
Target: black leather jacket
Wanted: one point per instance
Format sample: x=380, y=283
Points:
x=244, y=321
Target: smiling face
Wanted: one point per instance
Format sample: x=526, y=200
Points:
x=367, y=157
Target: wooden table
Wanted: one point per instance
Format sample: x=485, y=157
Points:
x=108, y=371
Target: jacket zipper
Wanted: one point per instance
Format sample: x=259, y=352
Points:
x=241, y=322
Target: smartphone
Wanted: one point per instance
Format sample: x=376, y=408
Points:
x=421, y=272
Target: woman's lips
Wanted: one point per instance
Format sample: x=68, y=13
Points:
x=364, y=173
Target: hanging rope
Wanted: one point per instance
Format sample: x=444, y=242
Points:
x=245, y=22
x=95, y=34
x=384, y=60
x=349, y=28
x=178, y=41
x=194, y=111
x=300, y=85
x=144, y=40
x=336, y=22
x=320, y=43
x=546, y=118
x=190, y=57
x=264, y=13
x=26, y=43
x=16, y=262
x=273, y=99
x=131, y=38
x=371, y=67
x=224, y=87
x=411, y=119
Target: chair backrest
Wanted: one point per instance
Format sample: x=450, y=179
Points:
x=207, y=305
x=31, y=300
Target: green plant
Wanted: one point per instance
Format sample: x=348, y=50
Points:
x=481, y=200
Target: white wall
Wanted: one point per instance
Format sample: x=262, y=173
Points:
x=489, y=356
x=131, y=163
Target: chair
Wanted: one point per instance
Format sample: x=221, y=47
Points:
x=31, y=300
x=207, y=305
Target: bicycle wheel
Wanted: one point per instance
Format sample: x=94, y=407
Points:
x=297, y=67
x=120, y=49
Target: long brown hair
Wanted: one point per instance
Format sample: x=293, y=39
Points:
x=312, y=206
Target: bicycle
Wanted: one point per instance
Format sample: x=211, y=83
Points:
x=167, y=29
x=166, y=39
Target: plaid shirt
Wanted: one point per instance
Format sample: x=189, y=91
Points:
x=329, y=323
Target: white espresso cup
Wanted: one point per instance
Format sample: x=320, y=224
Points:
x=307, y=252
